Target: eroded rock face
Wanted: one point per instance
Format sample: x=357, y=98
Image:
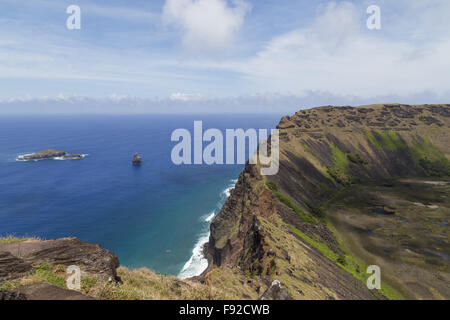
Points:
x=93, y=259
x=12, y=267
x=11, y=295
x=236, y=229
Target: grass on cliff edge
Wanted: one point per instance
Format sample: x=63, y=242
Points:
x=45, y=273
x=11, y=239
x=144, y=284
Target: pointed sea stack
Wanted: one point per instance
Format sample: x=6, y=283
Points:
x=137, y=161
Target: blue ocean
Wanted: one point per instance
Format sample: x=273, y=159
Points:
x=155, y=216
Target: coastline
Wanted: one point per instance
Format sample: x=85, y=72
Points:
x=198, y=262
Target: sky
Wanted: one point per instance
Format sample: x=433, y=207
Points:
x=187, y=56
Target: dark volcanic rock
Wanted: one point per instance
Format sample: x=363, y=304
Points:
x=276, y=292
x=136, y=160
x=443, y=110
x=12, y=267
x=11, y=295
x=45, y=291
x=92, y=258
x=73, y=157
x=404, y=113
x=365, y=110
x=430, y=120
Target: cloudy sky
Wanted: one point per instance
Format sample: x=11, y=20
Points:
x=252, y=55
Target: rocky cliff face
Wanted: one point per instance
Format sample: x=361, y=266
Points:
x=32, y=262
x=278, y=227
x=18, y=258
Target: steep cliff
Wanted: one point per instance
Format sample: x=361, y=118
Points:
x=284, y=226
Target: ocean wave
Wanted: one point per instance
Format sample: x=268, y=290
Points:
x=230, y=187
x=210, y=217
x=20, y=157
x=198, y=263
x=62, y=158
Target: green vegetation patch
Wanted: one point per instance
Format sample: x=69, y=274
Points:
x=46, y=273
x=340, y=170
x=388, y=140
x=430, y=158
x=316, y=211
x=305, y=216
x=396, y=139
x=356, y=158
x=319, y=245
x=339, y=158
x=9, y=285
x=272, y=185
x=11, y=239
x=340, y=176
x=373, y=141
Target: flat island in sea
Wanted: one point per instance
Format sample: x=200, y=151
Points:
x=50, y=154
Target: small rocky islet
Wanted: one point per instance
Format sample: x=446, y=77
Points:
x=137, y=160
x=50, y=154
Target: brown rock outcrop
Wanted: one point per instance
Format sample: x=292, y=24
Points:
x=92, y=258
x=137, y=161
x=12, y=267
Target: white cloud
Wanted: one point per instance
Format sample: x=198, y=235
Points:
x=332, y=53
x=337, y=54
x=258, y=103
x=206, y=25
x=121, y=13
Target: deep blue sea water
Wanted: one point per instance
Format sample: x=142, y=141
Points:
x=150, y=216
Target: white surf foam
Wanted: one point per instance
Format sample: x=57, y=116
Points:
x=62, y=158
x=20, y=157
x=210, y=217
x=198, y=262
x=227, y=191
